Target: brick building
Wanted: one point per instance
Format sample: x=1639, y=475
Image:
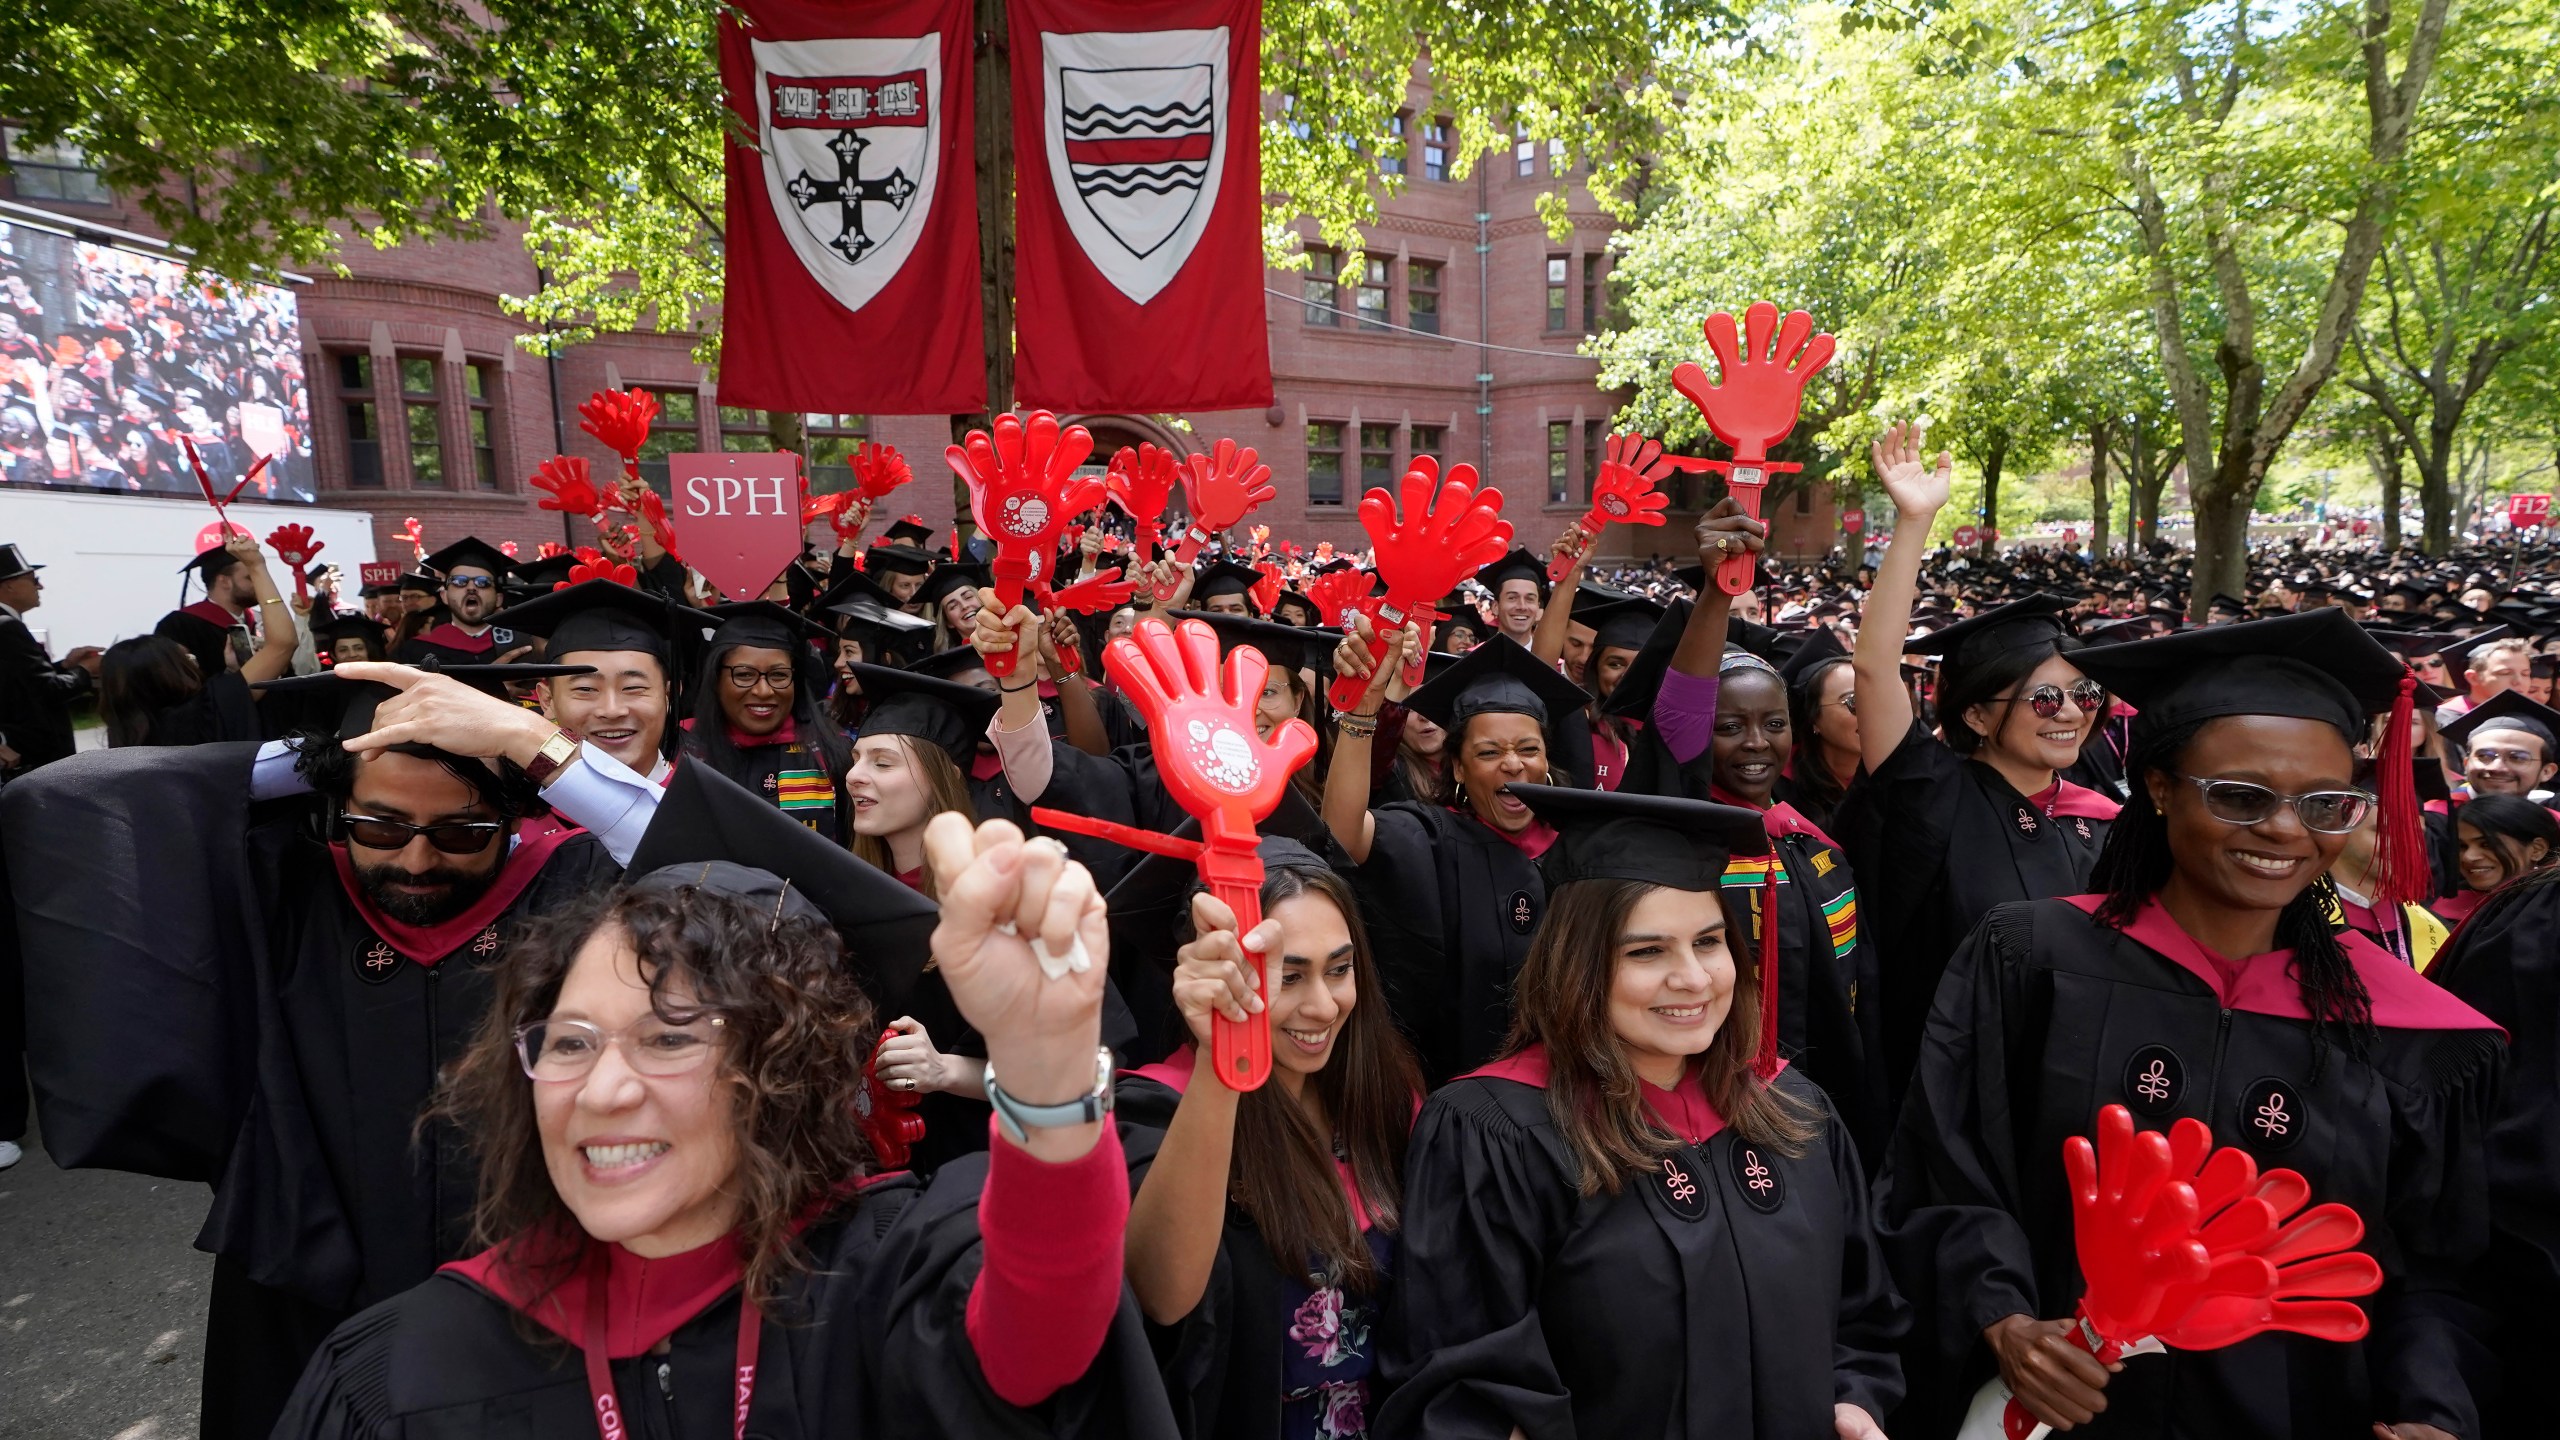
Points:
x=1457, y=336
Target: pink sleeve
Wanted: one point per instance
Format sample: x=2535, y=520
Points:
x=1051, y=1280
x=1025, y=753
x=1684, y=714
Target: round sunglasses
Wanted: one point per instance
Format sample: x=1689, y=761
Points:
x=2242, y=802
x=2046, y=700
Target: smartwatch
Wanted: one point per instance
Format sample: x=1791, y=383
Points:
x=1020, y=1119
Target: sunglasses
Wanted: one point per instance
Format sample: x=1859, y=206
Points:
x=452, y=837
x=2239, y=802
x=2046, y=700
x=469, y=582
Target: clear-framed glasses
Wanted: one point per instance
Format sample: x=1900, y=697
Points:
x=1848, y=701
x=2242, y=802
x=2497, y=756
x=452, y=837
x=567, y=1049
x=2046, y=700
x=747, y=677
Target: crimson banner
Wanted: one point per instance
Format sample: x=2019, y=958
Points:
x=1138, y=205
x=851, y=281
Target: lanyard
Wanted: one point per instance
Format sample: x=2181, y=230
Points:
x=608, y=1406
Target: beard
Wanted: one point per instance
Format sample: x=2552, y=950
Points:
x=455, y=891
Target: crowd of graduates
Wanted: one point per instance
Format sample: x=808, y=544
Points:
x=594, y=1005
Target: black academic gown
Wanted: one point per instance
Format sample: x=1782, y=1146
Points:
x=1736, y=1293
x=1937, y=840
x=870, y=1342
x=794, y=776
x=1222, y=1363
x=1450, y=906
x=447, y=644
x=2505, y=963
x=2043, y=1018
x=35, y=697
x=248, y=1027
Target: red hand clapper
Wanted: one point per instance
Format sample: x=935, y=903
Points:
x=1200, y=717
x=1444, y=531
x=1023, y=492
x=1754, y=405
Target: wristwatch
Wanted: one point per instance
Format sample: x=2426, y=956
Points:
x=1019, y=1119
x=555, y=754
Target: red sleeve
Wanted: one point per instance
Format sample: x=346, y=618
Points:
x=1053, y=1236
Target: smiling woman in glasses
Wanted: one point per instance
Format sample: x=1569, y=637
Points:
x=2205, y=981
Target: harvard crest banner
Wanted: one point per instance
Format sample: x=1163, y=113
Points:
x=1138, y=205
x=851, y=277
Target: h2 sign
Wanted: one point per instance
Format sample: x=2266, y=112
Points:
x=2523, y=510
x=738, y=517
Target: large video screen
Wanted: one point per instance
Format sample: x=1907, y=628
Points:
x=110, y=359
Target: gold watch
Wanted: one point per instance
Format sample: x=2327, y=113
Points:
x=554, y=756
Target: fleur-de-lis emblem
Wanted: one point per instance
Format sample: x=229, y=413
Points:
x=1755, y=1174
x=2272, y=1119
x=1677, y=1180
x=2155, y=1082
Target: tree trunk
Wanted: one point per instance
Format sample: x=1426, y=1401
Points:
x=2098, y=489
x=1990, y=517
x=995, y=228
x=2388, y=457
x=2435, y=488
x=2222, y=537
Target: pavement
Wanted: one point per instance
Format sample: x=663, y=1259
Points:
x=102, y=1298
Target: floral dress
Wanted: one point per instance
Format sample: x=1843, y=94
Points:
x=1326, y=1359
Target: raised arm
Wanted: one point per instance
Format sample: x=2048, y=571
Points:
x=1180, y=1211
x=1346, y=785
x=1083, y=718
x=1919, y=492
x=1684, y=710
x=1547, y=641
x=276, y=633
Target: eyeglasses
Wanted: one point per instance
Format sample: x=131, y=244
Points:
x=2239, y=802
x=452, y=837
x=469, y=582
x=2046, y=700
x=558, y=1050
x=2506, y=757
x=1848, y=702
x=746, y=677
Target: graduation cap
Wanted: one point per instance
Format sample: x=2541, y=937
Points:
x=352, y=625
x=943, y=664
x=599, y=615
x=1287, y=646
x=1636, y=689
x=910, y=530
x=922, y=707
x=362, y=698
x=206, y=564
x=2457, y=656
x=868, y=611
x=759, y=624
x=1227, y=578
x=2020, y=624
x=708, y=828
x=419, y=581
x=896, y=559
x=1818, y=646
x=1680, y=844
x=2508, y=710
x=1498, y=676
x=545, y=573
x=1517, y=565
x=471, y=551
x=1622, y=624
x=948, y=578
x=2412, y=644
x=2228, y=607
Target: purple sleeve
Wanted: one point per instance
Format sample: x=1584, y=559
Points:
x=1684, y=714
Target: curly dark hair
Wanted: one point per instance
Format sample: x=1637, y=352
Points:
x=799, y=1031
x=2137, y=861
x=329, y=768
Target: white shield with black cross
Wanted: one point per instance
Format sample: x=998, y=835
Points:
x=1136, y=134
x=850, y=131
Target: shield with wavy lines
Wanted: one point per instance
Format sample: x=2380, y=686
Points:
x=1135, y=127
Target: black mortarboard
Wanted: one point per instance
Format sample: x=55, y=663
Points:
x=2413, y=643
x=351, y=625
x=1637, y=689
x=545, y=573
x=1654, y=839
x=939, y=712
x=1621, y=624
x=206, y=564
x=2317, y=665
x=1226, y=578
x=1818, y=646
x=598, y=615
x=1499, y=675
x=943, y=664
x=363, y=697
x=2457, y=656
x=1518, y=565
x=1293, y=646
x=418, y=580
x=472, y=551
x=860, y=602
x=910, y=530
x=898, y=559
x=761, y=624
x=967, y=575
x=707, y=819
x=2035, y=620
x=2513, y=709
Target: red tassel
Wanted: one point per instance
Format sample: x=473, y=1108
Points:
x=2400, y=851
x=1765, y=1064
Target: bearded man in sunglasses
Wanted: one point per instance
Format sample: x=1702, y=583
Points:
x=247, y=965
x=469, y=595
